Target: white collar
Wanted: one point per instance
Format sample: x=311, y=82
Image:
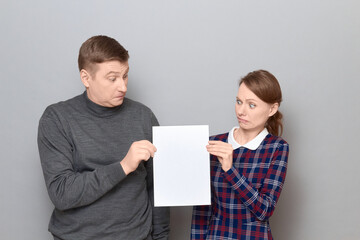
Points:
x=252, y=145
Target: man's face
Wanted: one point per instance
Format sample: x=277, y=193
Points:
x=107, y=84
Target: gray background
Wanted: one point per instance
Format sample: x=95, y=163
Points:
x=186, y=59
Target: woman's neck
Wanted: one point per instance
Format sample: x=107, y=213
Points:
x=243, y=136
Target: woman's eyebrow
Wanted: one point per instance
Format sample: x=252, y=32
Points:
x=246, y=99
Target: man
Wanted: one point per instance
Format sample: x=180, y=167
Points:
x=96, y=154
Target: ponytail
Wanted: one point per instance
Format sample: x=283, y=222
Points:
x=274, y=124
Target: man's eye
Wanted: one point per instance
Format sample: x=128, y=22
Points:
x=112, y=79
x=125, y=76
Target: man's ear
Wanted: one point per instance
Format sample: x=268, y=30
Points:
x=85, y=77
x=273, y=109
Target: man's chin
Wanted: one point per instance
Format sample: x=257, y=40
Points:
x=117, y=103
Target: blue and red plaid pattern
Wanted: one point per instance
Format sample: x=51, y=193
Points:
x=244, y=197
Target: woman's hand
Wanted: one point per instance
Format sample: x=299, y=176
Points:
x=223, y=151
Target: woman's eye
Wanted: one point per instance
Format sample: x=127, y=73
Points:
x=238, y=102
x=251, y=105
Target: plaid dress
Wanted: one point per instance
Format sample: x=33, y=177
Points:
x=244, y=197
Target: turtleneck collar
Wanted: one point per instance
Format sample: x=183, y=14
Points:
x=98, y=110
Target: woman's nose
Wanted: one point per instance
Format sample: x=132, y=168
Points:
x=241, y=110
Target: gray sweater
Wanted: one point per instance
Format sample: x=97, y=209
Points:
x=81, y=145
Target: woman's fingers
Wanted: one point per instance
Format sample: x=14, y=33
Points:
x=219, y=147
x=223, y=151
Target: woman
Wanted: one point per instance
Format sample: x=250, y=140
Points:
x=248, y=166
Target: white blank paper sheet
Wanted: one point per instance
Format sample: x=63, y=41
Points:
x=181, y=166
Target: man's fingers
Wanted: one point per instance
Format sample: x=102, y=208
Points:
x=147, y=145
x=145, y=154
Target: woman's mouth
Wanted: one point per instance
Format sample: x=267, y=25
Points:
x=242, y=120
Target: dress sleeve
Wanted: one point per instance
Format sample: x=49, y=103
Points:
x=262, y=203
x=161, y=215
x=200, y=222
x=68, y=188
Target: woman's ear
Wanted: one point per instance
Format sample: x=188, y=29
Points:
x=85, y=77
x=273, y=109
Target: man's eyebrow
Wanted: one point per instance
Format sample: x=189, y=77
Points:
x=117, y=73
x=112, y=72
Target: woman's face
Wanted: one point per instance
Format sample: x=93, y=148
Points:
x=251, y=112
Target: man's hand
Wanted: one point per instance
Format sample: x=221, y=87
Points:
x=223, y=151
x=139, y=151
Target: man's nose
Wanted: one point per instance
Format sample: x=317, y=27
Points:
x=122, y=86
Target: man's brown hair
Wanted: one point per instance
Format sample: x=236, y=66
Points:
x=99, y=49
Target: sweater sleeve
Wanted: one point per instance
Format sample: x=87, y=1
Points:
x=200, y=222
x=262, y=203
x=67, y=187
x=161, y=215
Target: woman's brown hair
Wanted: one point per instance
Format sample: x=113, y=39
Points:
x=264, y=85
